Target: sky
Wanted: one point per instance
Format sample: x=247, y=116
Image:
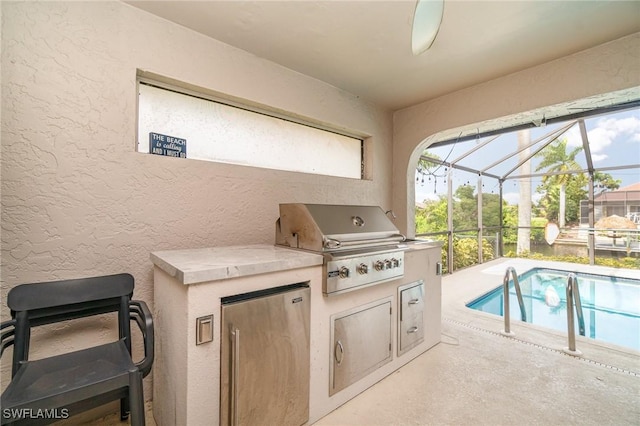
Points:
x=614, y=140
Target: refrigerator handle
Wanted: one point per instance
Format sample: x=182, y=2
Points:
x=235, y=374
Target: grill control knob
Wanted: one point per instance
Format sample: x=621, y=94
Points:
x=362, y=269
x=379, y=265
x=387, y=264
x=343, y=272
x=395, y=263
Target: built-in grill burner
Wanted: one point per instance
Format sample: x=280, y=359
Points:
x=360, y=245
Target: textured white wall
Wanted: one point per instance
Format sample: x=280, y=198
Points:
x=78, y=200
x=613, y=66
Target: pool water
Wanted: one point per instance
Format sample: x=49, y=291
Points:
x=611, y=305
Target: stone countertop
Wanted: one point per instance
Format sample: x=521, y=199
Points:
x=420, y=244
x=194, y=266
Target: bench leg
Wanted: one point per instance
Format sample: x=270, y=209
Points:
x=136, y=398
x=124, y=409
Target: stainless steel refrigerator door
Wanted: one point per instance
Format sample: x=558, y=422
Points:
x=265, y=360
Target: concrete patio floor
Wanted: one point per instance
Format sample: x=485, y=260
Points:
x=477, y=376
x=474, y=377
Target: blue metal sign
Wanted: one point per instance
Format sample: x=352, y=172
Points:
x=166, y=145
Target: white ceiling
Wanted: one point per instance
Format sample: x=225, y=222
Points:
x=364, y=47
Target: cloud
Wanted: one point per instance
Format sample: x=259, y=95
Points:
x=512, y=198
x=573, y=137
x=607, y=131
x=624, y=126
x=600, y=138
x=599, y=157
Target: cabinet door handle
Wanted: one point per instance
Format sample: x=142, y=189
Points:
x=235, y=375
x=339, y=346
x=414, y=301
x=413, y=329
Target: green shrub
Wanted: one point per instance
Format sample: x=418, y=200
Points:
x=537, y=234
x=465, y=252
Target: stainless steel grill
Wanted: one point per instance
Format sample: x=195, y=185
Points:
x=360, y=245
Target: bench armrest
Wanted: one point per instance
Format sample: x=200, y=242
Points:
x=142, y=316
x=7, y=335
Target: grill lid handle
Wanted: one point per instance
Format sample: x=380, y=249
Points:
x=333, y=244
x=330, y=243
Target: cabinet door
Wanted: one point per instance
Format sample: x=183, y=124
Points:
x=361, y=343
x=411, y=325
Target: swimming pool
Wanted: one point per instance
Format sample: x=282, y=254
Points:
x=611, y=305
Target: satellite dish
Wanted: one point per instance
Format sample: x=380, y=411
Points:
x=551, y=232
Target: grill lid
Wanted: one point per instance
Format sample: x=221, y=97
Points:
x=326, y=227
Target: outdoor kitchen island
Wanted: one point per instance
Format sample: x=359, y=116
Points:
x=189, y=286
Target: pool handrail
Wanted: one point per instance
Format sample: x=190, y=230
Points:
x=505, y=288
x=573, y=297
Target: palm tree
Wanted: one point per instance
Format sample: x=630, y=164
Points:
x=555, y=159
x=426, y=167
x=524, y=203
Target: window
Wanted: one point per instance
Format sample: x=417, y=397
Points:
x=191, y=126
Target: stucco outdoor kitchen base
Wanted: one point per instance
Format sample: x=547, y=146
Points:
x=190, y=283
x=476, y=376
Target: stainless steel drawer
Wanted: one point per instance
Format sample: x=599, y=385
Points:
x=411, y=312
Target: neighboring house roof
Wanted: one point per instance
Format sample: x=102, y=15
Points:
x=633, y=187
x=628, y=193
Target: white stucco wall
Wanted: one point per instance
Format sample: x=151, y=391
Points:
x=78, y=200
x=607, y=68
